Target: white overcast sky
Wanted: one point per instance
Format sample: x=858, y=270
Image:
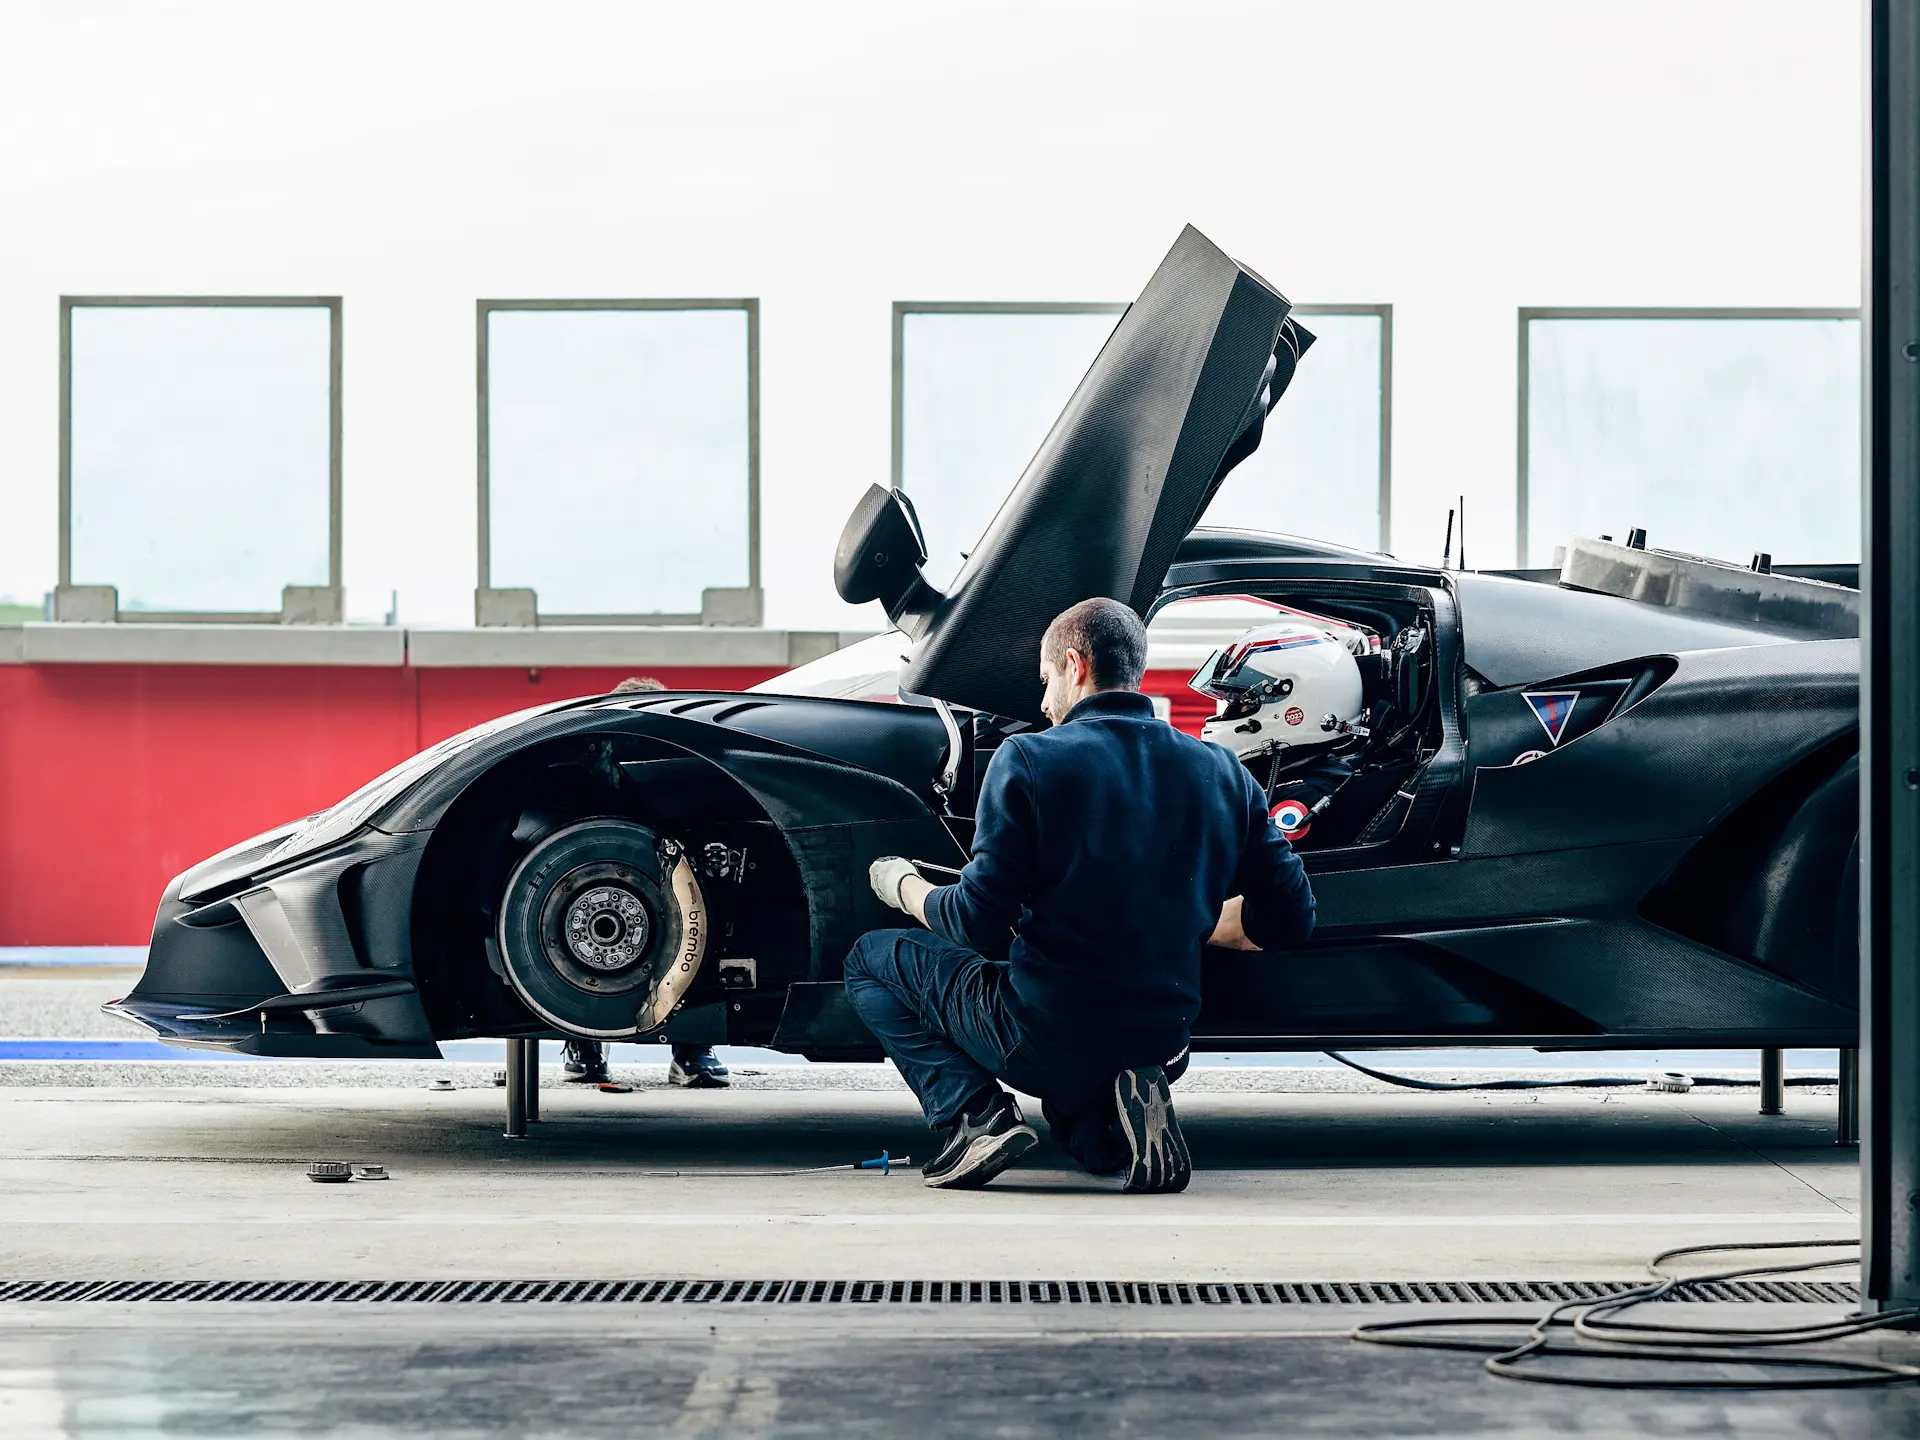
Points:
x=1457, y=160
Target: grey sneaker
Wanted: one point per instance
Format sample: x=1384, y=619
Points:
x=1161, y=1164
x=975, y=1148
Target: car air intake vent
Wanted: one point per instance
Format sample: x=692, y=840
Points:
x=898, y=1292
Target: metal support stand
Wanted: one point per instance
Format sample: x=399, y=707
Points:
x=1773, y=1081
x=1849, y=1126
x=530, y=1070
x=516, y=1090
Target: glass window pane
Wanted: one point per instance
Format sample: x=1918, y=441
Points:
x=617, y=457
x=1317, y=471
x=200, y=453
x=979, y=391
x=1719, y=436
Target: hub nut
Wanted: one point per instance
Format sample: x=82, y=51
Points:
x=607, y=928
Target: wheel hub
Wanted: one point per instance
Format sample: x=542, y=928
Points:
x=607, y=928
x=600, y=926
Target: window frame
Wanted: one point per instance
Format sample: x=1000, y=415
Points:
x=1527, y=314
x=903, y=308
x=483, y=309
x=332, y=305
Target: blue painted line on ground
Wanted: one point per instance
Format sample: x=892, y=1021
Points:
x=105, y=1050
x=73, y=955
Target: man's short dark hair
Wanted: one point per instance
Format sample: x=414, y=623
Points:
x=1108, y=634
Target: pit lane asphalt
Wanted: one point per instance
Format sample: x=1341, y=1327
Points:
x=250, y=1371
x=207, y=1182
x=195, y=1170
x=118, y=1182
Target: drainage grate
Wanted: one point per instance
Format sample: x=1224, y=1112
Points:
x=898, y=1292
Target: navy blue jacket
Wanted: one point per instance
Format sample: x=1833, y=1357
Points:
x=1102, y=852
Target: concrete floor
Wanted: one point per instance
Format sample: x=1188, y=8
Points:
x=196, y=1170
x=517, y=1374
x=118, y=1183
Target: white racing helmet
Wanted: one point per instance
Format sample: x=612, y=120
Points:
x=1289, y=686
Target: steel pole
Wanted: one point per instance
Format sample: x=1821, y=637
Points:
x=1773, y=1081
x=530, y=1069
x=1890, y=680
x=1848, y=1128
x=516, y=1090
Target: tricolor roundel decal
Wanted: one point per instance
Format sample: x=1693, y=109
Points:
x=1291, y=817
x=1553, y=709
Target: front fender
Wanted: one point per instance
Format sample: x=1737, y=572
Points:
x=834, y=816
x=315, y=961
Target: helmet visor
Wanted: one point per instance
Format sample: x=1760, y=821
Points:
x=1221, y=677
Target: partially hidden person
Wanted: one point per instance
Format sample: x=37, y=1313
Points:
x=694, y=1066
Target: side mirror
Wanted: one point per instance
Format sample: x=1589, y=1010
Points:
x=880, y=553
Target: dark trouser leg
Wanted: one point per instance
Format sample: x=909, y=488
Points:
x=1090, y=1133
x=937, y=1010
x=584, y=1061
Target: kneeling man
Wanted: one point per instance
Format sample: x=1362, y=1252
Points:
x=1066, y=960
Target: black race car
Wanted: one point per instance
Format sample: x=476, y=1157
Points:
x=1617, y=810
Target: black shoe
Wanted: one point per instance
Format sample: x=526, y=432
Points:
x=697, y=1068
x=1095, y=1142
x=975, y=1148
x=1161, y=1163
x=585, y=1062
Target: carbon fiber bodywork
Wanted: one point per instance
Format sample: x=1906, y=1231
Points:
x=1572, y=901
x=1583, y=820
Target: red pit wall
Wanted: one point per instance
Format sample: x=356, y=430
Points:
x=115, y=778
x=1190, y=707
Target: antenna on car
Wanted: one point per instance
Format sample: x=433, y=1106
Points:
x=1446, y=550
x=1463, y=532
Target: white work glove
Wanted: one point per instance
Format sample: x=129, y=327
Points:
x=886, y=874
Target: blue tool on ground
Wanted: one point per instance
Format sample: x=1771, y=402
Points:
x=883, y=1162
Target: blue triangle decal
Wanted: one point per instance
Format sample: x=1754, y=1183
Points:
x=1553, y=709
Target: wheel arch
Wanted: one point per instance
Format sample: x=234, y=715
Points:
x=509, y=807
x=816, y=823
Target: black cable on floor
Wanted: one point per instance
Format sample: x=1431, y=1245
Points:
x=1599, y=1335
x=1584, y=1082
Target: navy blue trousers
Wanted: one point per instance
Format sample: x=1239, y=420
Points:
x=940, y=1012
